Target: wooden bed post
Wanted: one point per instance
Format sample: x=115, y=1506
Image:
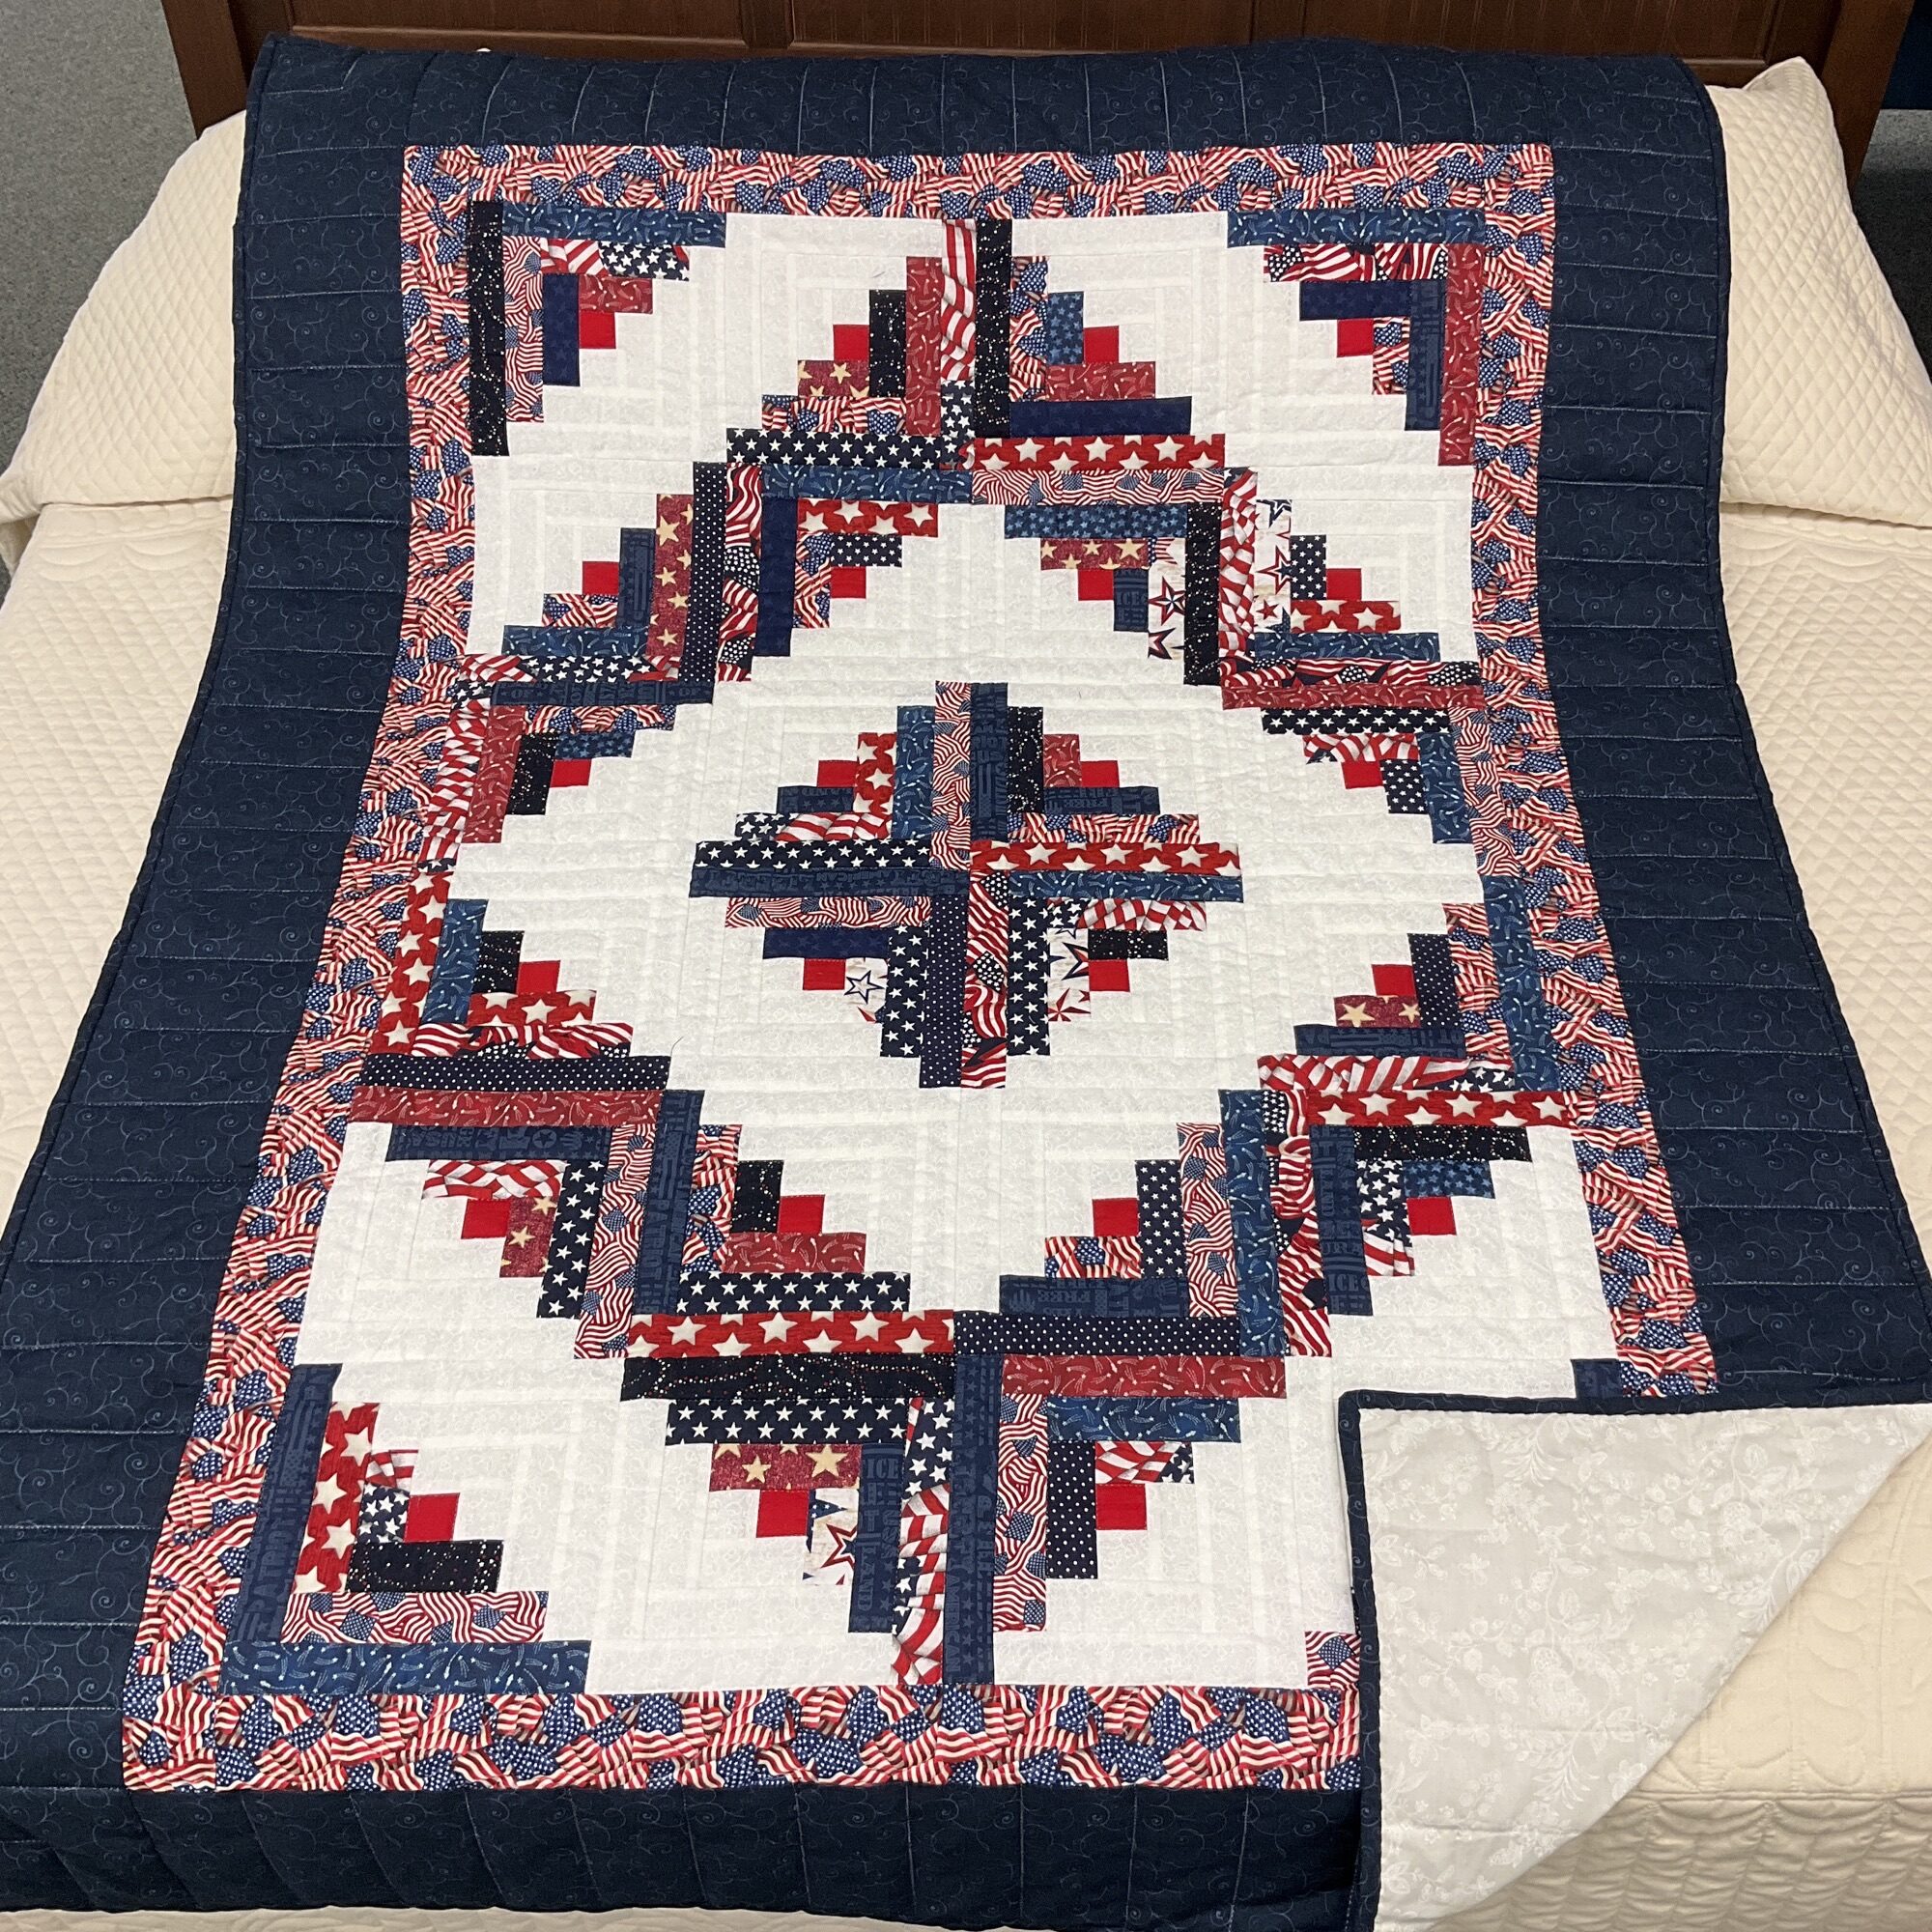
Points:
x=208, y=51
x=1858, y=67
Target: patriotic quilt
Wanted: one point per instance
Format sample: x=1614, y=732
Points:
x=909, y=832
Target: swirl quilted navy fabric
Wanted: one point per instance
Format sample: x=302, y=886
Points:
x=930, y=791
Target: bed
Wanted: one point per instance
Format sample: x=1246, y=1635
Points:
x=1711, y=1833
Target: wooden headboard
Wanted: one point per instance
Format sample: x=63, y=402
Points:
x=1851, y=43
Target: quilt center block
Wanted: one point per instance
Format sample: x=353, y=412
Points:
x=968, y=906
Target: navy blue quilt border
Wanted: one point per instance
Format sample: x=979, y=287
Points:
x=108, y=1268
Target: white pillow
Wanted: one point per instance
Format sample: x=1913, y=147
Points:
x=1827, y=406
x=139, y=406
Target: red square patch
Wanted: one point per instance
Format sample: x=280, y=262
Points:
x=430, y=1520
x=1120, y=1506
x=486, y=1220
x=784, y=1512
x=801, y=1213
x=1432, y=1214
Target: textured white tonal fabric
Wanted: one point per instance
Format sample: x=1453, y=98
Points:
x=1557, y=1596
x=1800, y=1801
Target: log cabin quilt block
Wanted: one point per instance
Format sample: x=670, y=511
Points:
x=968, y=904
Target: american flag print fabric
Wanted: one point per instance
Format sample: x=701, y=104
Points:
x=968, y=908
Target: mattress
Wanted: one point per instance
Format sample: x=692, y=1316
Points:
x=1775, y=565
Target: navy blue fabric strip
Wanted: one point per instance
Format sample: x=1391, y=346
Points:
x=969, y=1541
x=639, y=226
x=1326, y=299
x=814, y=798
x=489, y=434
x=1152, y=1418
x=909, y=881
x=666, y=1202
x=528, y=696
x=636, y=580
x=1117, y=885
x=1156, y=416
x=1255, y=229
x=1526, y=1014
x=1123, y=799
x=699, y=661
x=560, y=330
x=1256, y=1254
x=573, y=640
x=878, y=486
x=1442, y=787
x=1447, y=1042
x=1096, y=520
x=777, y=574
x=1422, y=371
x=329, y=1671
x=498, y=1143
x=1338, y=1218
x=598, y=1076
x=988, y=776
x=942, y=1036
x=980, y=1332
x=875, y=1541
x=282, y=1513
x=1065, y=1296
x=829, y=942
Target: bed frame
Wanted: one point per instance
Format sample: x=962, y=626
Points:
x=1851, y=43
